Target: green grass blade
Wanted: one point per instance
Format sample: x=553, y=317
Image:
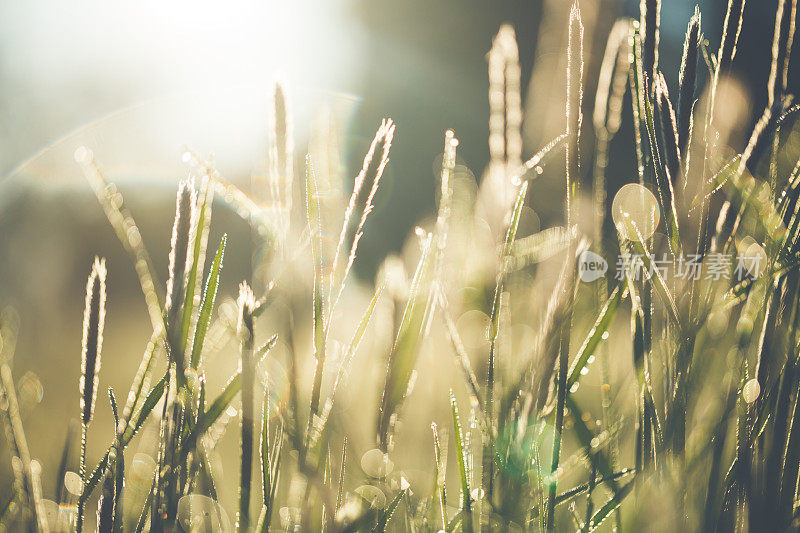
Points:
x=666, y=193
x=658, y=282
x=320, y=292
x=605, y=511
x=207, y=305
x=598, y=332
x=461, y=458
x=487, y=476
x=439, y=475
x=214, y=411
x=355, y=341
x=128, y=233
x=386, y=514
x=403, y=355
x=585, y=437
x=152, y=399
x=537, y=248
x=266, y=481
x=201, y=228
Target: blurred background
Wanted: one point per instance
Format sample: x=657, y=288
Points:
x=139, y=82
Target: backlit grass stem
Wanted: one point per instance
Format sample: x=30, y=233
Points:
x=687, y=82
x=93, y=322
x=246, y=336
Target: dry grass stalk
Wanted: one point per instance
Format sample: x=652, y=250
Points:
x=383, y=138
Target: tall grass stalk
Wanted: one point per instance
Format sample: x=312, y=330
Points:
x=281, y=175
x=670, y=425
x=185, y=218
x=767, y=125
x=574, y=119
x=127, y=232
x=383, y=140
x=92, y=345
x=649, y=25
x=31, y=495
x=687, y=82
x=247, y=365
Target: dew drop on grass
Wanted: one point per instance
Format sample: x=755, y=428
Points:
x=718, y=322
x=472, y=326
x=83, y=155
x=276, y=380
x=372, y=495
x=751, y=391
x=375, y=463
x=289, y=516
x=141, y=469
x=477, y=494
x=197, y=512
x=51, y=514
x=635, y=208
x=73, y=483
x=30, y=389
x=754, y=259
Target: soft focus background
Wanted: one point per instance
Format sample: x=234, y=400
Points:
x=139, y=82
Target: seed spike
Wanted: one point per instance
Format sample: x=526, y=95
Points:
x=282, y=155
x=730, y=34
x=669, y=133
x=383, y=138
x=650, y=13
x=574, y=104
x=781, y=49
x=93, y=321
x=687, y=80
x=179, y=264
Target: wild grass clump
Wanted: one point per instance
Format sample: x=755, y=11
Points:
x=652, y=398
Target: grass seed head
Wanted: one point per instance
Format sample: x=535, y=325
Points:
x=93, y=321
x=730, y=34
x=687, y=79
x=781, y=49
x=185, y=205
x=650, y=13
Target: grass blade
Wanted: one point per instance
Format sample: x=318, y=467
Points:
x=461, y=457
x=195, y=269
x=403, y=355
x=487, y=475
x=19, y=445
x=687, y=81
x=598, y=332
x=127, y=232
x=206, y=307
x=248, y=367
x=321, y=288
x=605, y=511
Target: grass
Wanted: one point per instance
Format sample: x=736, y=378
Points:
x=637, y=402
